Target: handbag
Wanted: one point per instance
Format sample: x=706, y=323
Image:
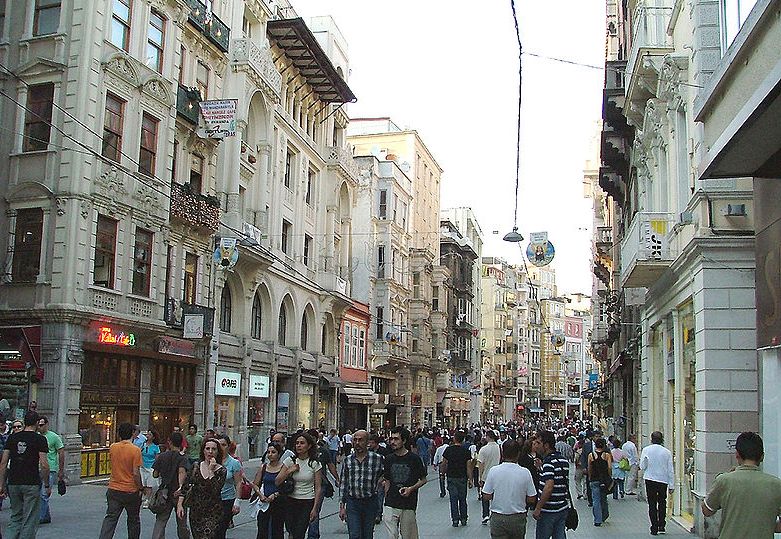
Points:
x=624, y=465
x=245, y=490
x=61, y=487
x=160, y=501
x=571, y=523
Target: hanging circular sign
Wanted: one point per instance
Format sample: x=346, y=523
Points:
x=540, y=254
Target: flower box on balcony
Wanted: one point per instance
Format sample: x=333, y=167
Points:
x=195, y=209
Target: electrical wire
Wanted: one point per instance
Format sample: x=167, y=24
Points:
x=518, y=124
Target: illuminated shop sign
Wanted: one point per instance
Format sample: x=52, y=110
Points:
x=107, y=335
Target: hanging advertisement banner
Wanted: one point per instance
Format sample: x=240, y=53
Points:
x=219, y=118
x=226, y=254
x=540, y=251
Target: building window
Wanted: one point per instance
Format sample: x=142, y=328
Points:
x=196, y=173
x=142, y=262
x=434, y=298
x=310, y=185
x=37, y=122
x=257, y=317
x=416, y=285
x=2, y=17
x=383, y=211
x=286, y=228
x=120, y=24
x=307, y=249
x=148, y=151
x=354, y=348
x=105, y=252
x=362, y=349
x=346, y=345
x=282, y=326
x=202, y=79
x=190, y=278
x=27, y=245
x=155, y=40
x=734, y=13
x=381, y=261
x=47, y=17
x=288, y=168
x=112, y=128
x=304, y=333
x=226, y=309
x=379, y=324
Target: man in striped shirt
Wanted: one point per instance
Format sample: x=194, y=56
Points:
x=551, y=510
x=361, y=472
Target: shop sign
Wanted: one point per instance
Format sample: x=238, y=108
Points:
x=258, y=385
x=175, y=347
x=192, y=326
x=107, y=335
x=219, y=117
x=228, y=384
x=307, y=389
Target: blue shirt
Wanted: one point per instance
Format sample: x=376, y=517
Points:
x=228, y=491
x=149, y=454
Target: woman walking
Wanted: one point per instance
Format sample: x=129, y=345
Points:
x=271, y=522
x=149, y=452
x=599, y=465
x=205, y=482
x=304, y=468
x=233, y=477
x=619, y=475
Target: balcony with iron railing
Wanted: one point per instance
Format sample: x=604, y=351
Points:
x=187, y=103
x=341, y=159
x=245, y=53
x=199, y=211
x=209, y=24
x=645, y=249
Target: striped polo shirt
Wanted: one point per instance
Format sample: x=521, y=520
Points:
x=555, y=467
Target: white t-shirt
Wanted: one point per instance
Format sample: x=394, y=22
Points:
x=510, y=484
x=348, y=438
x=304, y=478
x=487, y=458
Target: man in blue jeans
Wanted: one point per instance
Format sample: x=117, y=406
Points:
x=553, y=505
x=457, y=465
x=361, y=473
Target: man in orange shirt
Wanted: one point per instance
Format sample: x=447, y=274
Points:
x=124, y=487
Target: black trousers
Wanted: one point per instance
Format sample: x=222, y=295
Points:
x=656, y=493
x=297, y=516
x=227, y=515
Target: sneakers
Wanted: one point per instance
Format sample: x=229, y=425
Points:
x=662, y=532
x=486, y=520
x=455, y=524
x=463, y=522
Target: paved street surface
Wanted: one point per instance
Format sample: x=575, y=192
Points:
x=78, y=515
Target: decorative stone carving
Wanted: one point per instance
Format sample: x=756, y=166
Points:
x=110, y=184
x=148, y=199
x=159, y=89
x=85, y=207
x=61, y=202
x=121, y=66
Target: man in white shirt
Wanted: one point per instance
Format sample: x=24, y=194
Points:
x=656, y=462
x=509, y=488
x=487, y=458
x=630, y=449
x=437, y=461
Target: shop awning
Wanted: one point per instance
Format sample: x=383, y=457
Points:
x=20, y=344
x=329, y=381
x=359, y=395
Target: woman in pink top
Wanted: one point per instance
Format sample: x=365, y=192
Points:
x=619, y=475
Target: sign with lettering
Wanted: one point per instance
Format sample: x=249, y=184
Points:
x=219, y=118
x=258, y=385
x=175, y=347
x=107, y=335
x=228, y=384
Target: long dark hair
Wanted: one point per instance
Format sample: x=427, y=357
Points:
x=219, y=449
x=312, y=446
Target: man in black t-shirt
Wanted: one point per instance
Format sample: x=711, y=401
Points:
x=172, y=468
x=457, y=465
x=326, y=465
x=404, y=474
x=26, y=451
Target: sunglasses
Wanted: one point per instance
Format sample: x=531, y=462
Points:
x=17, y=426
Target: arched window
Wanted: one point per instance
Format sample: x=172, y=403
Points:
x=257, y=314
x=282, y=329
x=225, y=310
x=304, y=333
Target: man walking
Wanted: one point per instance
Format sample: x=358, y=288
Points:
x=457, y=465
x=361, y=473
x=56, y=458
x=333, y=441
x=552, y=507
x=656, y=462
x=630, y=449
x=194, y=443
x=437, y=464
x=749, y=499
x=404, y=475
x=509, y=488
x=124, y=486
x=26, y=452
x=488, y=457
x=171, y=467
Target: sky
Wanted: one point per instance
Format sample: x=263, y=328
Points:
x=449, y=69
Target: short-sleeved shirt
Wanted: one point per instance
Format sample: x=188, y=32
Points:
x=750, y=501
x=167, y=466
x=24, y=450
x=228, y=491
x=125, y=460
x=457, y=457
x=488, y=457
x=333, y=442
x=304, y=478
x=510, y=484
x=149, y=454
x=55, y=444
x=194, y=443
x=555, y=467
x=403, y=471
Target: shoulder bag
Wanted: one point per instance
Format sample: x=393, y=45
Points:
x=571, y=523
x=288, y=485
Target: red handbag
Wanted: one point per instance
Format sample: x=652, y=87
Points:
x=245, y=490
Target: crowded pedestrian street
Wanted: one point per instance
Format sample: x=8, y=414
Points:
x=78, y=515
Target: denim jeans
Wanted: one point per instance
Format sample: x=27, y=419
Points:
x=361, y=513
x=116, y=502
x=618, y=489
x=600, y=508
x=313, y=532
x=457, y=488
x=551, y=525
x=45, y=514
x=25, y=501
x=442, y=490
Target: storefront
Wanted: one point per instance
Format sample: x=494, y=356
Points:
x=172, y=386
x=19, y=368
x=306, y=406
x=257, y=403
x=355, y=402
x=227, y=390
